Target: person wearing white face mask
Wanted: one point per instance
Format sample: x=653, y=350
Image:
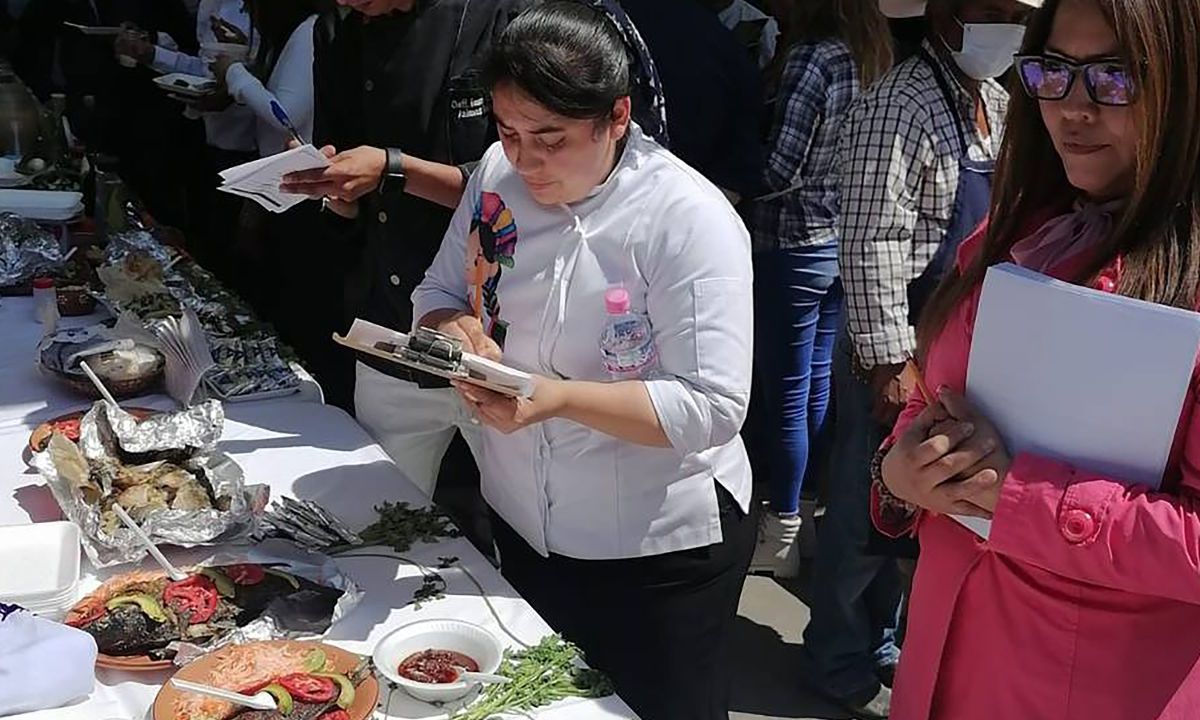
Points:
x=916, y=152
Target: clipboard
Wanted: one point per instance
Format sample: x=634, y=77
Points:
x=108, y=31
x=437, y=354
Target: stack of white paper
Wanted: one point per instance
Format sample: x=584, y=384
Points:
x=186, y=350
x=1074, y=374
x=259, y=180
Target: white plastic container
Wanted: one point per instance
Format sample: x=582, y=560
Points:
x=41, y=566
x=462, y=637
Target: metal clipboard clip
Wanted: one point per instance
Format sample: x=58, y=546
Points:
x=429, y=348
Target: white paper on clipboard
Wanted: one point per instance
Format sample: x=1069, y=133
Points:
x=372, y=339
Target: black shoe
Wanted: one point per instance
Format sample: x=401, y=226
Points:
x=887, y=675
x=871, y=704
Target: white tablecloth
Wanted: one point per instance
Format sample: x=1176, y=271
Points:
x=28, y=397
x=302, y=449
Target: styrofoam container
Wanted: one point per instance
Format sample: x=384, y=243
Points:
x=40, y=562
x=42, y=204
x=462, y=637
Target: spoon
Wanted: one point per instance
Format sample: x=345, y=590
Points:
x=173, y=572
x=104, y=393
x=478, y=677
x=261, y=701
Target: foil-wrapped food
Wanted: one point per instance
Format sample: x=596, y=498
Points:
x=266, y=593
x=27, y=250
x=164, y=470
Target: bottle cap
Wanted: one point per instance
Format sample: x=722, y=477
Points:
x=43, y=283
x=616, y=301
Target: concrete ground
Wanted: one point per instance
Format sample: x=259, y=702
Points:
x=768, y=682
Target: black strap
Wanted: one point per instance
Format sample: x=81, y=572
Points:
x=948, y=96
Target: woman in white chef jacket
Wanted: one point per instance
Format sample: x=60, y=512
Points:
x=621, y=506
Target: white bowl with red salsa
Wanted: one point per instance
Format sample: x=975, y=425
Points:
x=422, y=657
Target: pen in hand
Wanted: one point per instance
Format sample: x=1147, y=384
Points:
x=282, y=116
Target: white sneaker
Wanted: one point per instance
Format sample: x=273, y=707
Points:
x=777, y=552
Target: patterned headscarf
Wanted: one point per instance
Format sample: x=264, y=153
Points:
x=643, y=71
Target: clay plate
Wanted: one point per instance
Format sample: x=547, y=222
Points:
x=365, y=696
x=41, y=433
x=132, y=663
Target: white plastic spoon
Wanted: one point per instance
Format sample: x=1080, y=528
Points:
x=478, y=677
x=173, y=572
x=261, y=701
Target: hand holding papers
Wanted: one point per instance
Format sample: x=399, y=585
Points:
x=1086, y=377
x=260, y=180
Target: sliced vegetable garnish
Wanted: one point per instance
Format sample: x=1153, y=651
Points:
x=336, y=714
x=69, y=428
x=283, y=699
x=149, y=605
x=86, y=612
x=315, y=662
x=221, y=580
x=309, y=688
x=195, y=599
x=345, y=688
x=291, y=579
x=244, y=574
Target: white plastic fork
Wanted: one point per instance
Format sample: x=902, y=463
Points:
x=261, y=701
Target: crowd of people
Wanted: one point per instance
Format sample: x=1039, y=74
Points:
x=800, y=198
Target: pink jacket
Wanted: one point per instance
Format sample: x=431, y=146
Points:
x=1084, y=604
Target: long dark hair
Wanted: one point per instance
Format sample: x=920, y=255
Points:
x=1158, y=232
x=274, y=21
x=577, y=58
x=858, y=23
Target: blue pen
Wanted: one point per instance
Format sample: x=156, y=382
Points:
x=282, y=116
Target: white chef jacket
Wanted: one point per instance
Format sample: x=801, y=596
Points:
x=290, y=85
x=660, y=229
x=233, y=127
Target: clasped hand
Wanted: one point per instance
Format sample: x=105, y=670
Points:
x=950, y=460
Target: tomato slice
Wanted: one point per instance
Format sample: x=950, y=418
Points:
x=245, y=574
x=69, y=428
x=309, y=688
x=85, y=613
x=195, y=598
x=335, y=714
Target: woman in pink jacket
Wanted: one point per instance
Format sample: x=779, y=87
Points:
x=1084, y=603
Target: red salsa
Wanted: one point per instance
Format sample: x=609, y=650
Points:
x=436, y=667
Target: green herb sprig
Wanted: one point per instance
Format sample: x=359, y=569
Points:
x=400, y=526
x=548, y=672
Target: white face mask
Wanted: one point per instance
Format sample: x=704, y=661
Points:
x=988, y=49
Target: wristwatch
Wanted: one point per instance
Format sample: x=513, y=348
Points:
x=393, y=179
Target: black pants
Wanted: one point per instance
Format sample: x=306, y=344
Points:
x=659, y=626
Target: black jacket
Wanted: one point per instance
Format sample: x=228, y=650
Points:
x=390, y=82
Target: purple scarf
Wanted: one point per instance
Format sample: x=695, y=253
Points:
x=1064, y=238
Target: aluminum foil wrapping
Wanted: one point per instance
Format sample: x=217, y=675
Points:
x=142, y=241
x=189, y=438
x=26, y=250
x=318, y=568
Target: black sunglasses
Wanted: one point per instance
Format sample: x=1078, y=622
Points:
x=1108, y=82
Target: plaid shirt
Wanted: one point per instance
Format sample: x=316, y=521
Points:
x=899, y=154
x=819, y=83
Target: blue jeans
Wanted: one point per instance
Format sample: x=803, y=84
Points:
x=797, y=320
x=856, y=597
